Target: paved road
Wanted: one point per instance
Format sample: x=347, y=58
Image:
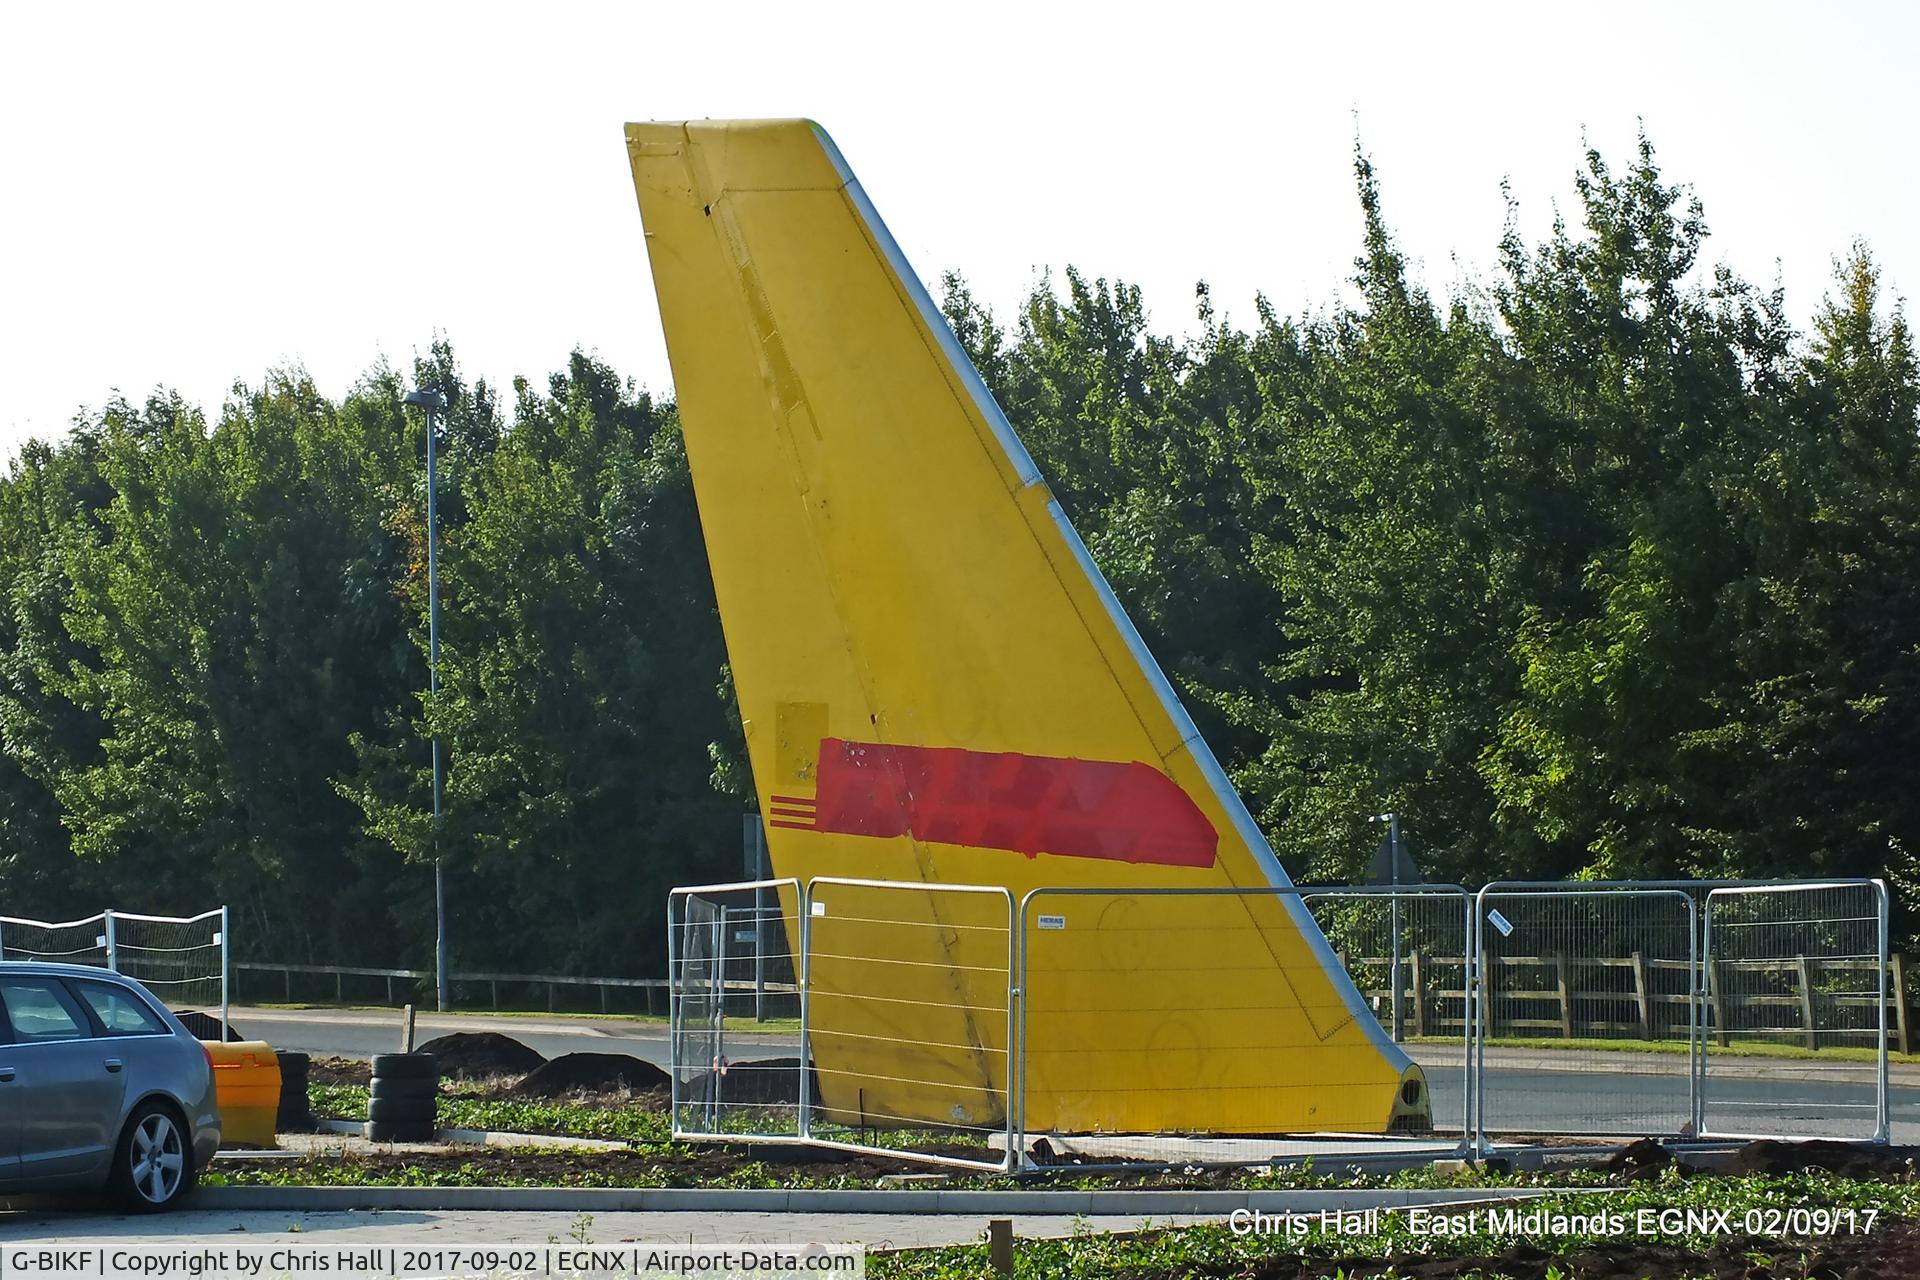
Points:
x=1634, y=1094
x=1528, y=1091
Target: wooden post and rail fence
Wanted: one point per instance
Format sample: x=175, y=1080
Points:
x=1637, y=997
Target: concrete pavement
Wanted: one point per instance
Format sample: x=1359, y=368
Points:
x=482, y=1226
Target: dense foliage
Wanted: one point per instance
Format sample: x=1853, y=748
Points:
x=1599, y=567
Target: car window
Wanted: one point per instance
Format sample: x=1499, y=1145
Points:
x=121, y=1013
x=40, y=1009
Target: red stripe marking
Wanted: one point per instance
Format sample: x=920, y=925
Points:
x=1128, y=812
x=805, y=800
x=791, y=813
x=799, y=826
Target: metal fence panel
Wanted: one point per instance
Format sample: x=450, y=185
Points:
x=1587, y=1011
x=909, y=1020
x=1605, y=1010
x=728, y=955
x=1802, y=966
x=181, y=960
x=184, y=960
x=58, y=942
x=1419, y=935
x=1120, y=999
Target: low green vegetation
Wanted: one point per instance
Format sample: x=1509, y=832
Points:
x=1217, y=1251
x=643, y=1126
x=661, y=1167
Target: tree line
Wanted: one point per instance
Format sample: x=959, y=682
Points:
x=1598, y=567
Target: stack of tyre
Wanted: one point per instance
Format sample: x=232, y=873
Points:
x=295, y=1112
x=400, y=1107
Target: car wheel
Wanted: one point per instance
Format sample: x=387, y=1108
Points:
x=153, y=1166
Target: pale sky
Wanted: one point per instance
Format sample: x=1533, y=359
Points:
x=191, y=195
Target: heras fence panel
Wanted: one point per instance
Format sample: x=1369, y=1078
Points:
x=1408, y=950
x=184, y=960
x=1206, y=1026
x=1587, y=1013
x=908, y=1020
x=1796, y=1011
x=733, y=1076
x=760, y=979
x=81, y=941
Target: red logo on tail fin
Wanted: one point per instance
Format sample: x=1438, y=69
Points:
x=1004, y=800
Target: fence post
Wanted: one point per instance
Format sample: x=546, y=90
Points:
x=1419, y=996
x=1489, y=991
x=113, y=941
x=1716, y=999
x=803, y=899
x=226, y=970
x=1566, y=994
x=1640, y=995
x=1898, y=963
x=1803, y=972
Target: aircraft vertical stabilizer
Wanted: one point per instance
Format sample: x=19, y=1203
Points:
x=938, y=686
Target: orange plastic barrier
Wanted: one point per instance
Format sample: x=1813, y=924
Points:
x=246, y=1081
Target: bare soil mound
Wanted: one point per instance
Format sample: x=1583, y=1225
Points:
x=206, y=1026
x=591, y=1073
x=471, y=1055
x=1648, y=1158
x=1848, y=1159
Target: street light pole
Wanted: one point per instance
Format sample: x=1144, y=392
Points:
x=1398, y=1017
x=433, y=402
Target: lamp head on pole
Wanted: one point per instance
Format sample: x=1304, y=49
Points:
x=426, y=398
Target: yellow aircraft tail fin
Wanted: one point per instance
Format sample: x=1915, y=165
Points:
x=938, y=686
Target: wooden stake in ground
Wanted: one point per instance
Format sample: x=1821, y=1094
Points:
x=406, y=1030
x=1000, y=1245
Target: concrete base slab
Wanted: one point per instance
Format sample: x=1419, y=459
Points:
x=1338, y=1151
x=343, y=1137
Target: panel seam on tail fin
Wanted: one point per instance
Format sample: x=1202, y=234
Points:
x=781, y=384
